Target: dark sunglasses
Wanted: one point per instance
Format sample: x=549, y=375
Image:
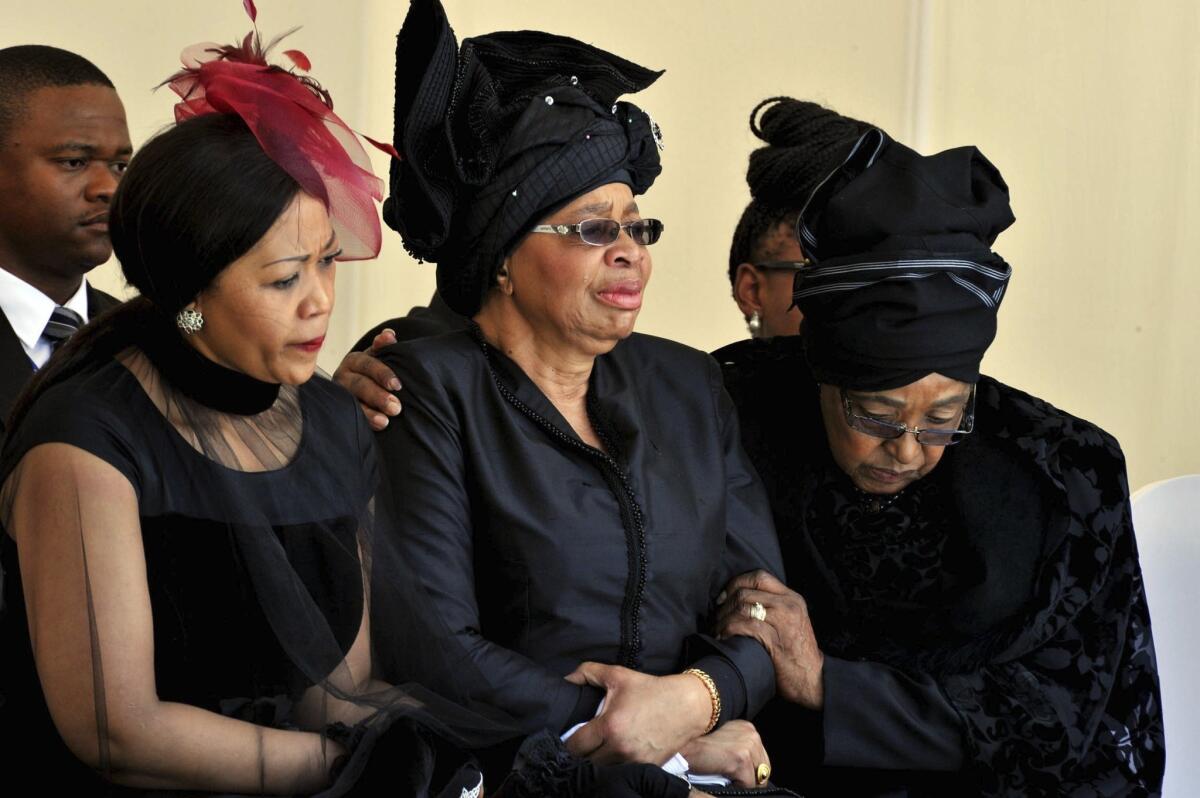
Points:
x=602, y=232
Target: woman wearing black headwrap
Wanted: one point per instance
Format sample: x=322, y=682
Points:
x=967, y=619
x=572, y=493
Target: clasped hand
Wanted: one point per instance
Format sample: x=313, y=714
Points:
x=785, y=631
x=645, y=718
x=651, y=718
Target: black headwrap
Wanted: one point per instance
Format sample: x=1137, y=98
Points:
x=903, y=282
x=498, y=133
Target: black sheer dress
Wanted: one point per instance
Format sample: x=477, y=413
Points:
x=986, y=632
x=255, y=511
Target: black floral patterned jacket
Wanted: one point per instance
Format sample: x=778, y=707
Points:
x=987, y=633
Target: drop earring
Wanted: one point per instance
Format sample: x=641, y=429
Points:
x=754, y=324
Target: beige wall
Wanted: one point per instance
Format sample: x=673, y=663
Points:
x=1090, y=109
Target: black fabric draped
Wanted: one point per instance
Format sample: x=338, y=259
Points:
x=540, y=552
x=902, y=280
x=987, y=633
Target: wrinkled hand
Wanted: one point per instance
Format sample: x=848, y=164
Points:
x=786, y=633
x=733, y=751
x=645, y=718
x=371, y=381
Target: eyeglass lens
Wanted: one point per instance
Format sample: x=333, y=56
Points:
x=884, y=429
x=602, y=232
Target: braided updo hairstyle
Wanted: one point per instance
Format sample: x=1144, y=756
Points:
x=804, y=141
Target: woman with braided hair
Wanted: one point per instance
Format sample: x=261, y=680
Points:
x=803, y=142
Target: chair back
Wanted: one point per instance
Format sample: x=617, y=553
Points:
x=1166, y=518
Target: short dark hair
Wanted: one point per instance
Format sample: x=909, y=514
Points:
x=804, y=141
x=28, y=67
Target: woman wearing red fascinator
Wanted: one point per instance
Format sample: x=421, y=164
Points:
x=190, y=541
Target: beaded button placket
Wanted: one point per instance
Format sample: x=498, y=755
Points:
x=621, y=486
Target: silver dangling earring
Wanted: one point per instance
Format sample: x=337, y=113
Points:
x=754, y=324
x=189, y=321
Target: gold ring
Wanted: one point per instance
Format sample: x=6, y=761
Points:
x=758, y=612
x=762, y=773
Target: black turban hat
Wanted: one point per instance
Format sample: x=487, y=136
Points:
x=499, y=132
x=903, y=281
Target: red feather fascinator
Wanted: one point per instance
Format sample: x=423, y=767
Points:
x=292, y=117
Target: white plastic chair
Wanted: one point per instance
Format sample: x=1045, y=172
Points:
x=1166, y=519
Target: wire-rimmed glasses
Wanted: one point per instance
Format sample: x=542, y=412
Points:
x=928, y=436
x=602, y=232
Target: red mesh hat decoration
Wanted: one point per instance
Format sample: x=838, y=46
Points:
x=292, y=117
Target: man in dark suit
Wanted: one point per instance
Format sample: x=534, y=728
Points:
x=64, y=144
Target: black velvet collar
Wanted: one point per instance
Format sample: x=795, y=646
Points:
x=201, y=379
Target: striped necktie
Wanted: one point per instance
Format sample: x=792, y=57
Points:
x=63, y=323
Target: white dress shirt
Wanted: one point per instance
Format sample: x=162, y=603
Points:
x=28, y=310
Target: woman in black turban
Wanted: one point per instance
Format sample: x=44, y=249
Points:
x=573, y=494
x=964, y=613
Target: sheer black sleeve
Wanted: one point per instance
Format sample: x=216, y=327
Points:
x=61, y=415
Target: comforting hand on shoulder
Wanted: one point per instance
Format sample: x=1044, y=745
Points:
x=758, y=605
x=645, y=718
x=371, y=381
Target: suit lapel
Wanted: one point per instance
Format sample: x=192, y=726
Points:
x=15, y=370
x=15, y=367
x=98, y=302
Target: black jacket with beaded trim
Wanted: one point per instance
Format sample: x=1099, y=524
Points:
x=543, y=552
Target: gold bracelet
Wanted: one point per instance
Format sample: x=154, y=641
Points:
x=713, y=693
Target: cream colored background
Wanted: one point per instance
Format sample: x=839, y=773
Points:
x=1090, y=109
